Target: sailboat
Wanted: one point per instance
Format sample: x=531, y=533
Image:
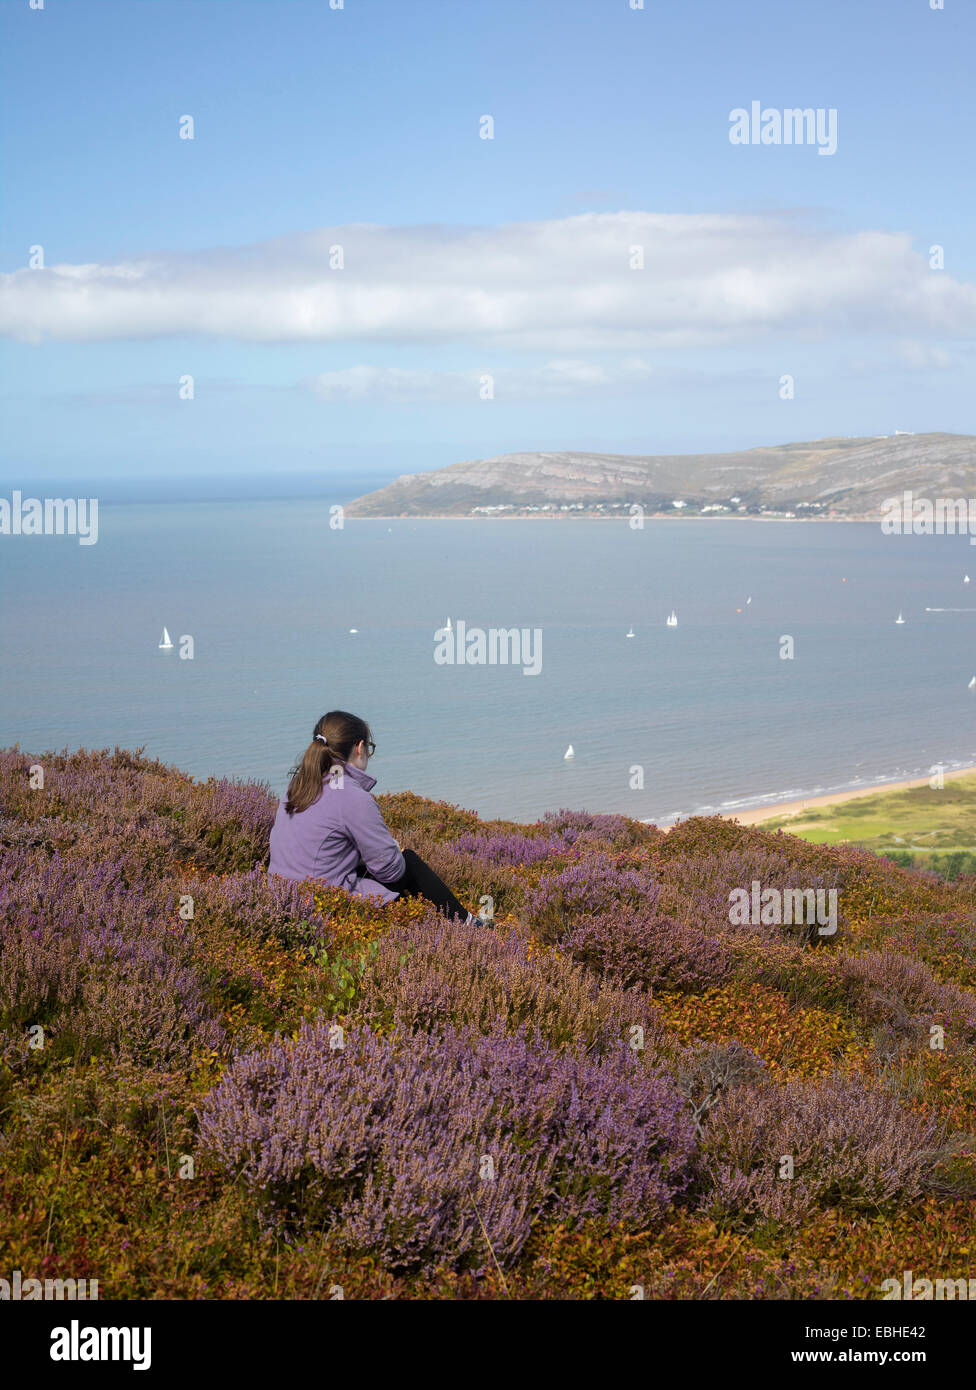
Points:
x=899, y=619
x=569, y=752
x=672, y=619
x=965, y=579
x=972, y=683
x=447, y=626
x=749, y=599
x=166, y=643
x=630, y=633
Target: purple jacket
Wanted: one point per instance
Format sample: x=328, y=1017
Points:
x=329, y=838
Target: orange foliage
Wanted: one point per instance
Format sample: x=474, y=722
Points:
x=794, y=1042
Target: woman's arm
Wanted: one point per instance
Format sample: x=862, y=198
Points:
x=377, y=847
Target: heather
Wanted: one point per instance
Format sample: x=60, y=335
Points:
x=438, y=972
x=449, y=1154
x=97, y=976
x=778, y=1152
x=635, y=946
x=216, y=1083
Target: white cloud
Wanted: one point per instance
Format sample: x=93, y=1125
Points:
x=558, y=286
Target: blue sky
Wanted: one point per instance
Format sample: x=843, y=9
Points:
x=466, y=258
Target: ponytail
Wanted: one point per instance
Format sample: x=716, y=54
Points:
x=333, y=739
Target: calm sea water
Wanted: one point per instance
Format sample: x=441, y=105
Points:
x=709, y=710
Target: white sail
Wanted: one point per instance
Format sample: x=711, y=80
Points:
x=899, y=619
x=166, y=640
x=749, y=599
x=672, y=619
x=569, y=752
x=630, y=633
x=965, y=579
x=972, y=683
x=447, y=626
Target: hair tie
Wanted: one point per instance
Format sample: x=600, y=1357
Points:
x=322, y=738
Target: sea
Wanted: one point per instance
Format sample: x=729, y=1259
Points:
x=786, y=676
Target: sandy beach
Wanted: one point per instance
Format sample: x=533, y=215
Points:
x=793, y=808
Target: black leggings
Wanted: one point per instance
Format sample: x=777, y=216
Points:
x=420, y=881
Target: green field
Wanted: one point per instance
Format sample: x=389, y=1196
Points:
x=920, y=826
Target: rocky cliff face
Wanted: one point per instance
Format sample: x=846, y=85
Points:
x=849, y=476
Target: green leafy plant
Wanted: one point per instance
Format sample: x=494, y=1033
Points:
x=346, y=970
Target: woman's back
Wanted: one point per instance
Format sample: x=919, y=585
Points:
x=330, y=837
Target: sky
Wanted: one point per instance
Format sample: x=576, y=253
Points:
x=339, y=274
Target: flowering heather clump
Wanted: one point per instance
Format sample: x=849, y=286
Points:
x=79, y=784
x=509, y=849
x=888, y=988
x=229, y=824
x=223, y=825
x=593, y=885
x=142, y=846
x=635, y=946
x=945, y=940
x=696, y=890
x=850, y=1146
x=258, y=904
x=59, y=894
x=141, y=1003
x=620, y=832
x=440, y=972
x=95, y=978
x=409, y=1151
x=47, y=832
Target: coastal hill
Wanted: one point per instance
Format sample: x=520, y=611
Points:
x=846, y=477
x=593, y=1094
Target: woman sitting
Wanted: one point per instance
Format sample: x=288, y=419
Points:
x=329, y=827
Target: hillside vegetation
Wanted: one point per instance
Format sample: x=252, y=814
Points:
x=223, y=1085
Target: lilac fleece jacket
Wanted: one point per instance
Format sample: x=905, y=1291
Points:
x=329, y=838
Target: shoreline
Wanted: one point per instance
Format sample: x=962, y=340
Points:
x=795, y=808
x=620, y=516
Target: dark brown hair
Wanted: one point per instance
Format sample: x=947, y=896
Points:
x=341, y=732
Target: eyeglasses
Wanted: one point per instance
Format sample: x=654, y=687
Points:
x=370, y=746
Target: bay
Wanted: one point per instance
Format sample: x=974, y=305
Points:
x=708, y=711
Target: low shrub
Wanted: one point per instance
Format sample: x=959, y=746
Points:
x=634, y=946
x=96, y=974
x=440, y=972
x=776, y=1152
x=595, y=884
x=448, y=1154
